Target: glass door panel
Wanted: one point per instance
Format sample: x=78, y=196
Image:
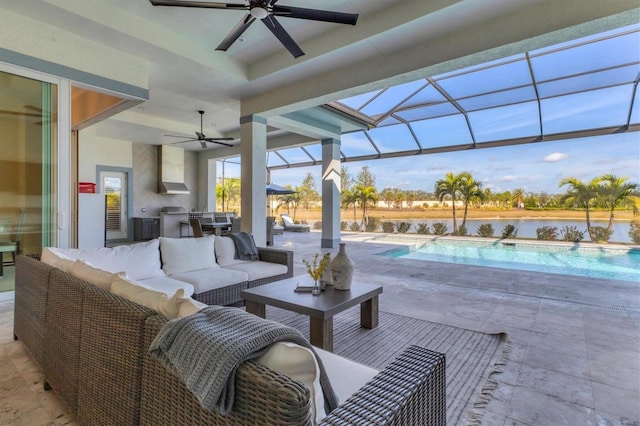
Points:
x=28, y=129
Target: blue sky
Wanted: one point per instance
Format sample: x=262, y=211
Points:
x=536, y=167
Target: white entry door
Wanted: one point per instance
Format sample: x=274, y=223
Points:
x=114, y=186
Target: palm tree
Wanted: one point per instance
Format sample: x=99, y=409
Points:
x=448, y=187
x=518, y=196
x=614, y=191
x=365, y=195
x=348, y=198
x=581, y=194
x=469, y=190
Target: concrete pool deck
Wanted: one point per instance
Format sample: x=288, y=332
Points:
x=575, y=356
x=576, y=341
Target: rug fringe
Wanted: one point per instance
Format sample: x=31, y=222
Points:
x=486, y=393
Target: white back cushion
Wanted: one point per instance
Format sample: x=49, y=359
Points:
x=139, y=261
x=298, y=363
x=145, y=296
x=96, y=276
x=226, y=252
x=187, y=254
x=187, y=306
x=57, y=258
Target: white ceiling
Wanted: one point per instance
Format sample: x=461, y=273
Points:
x=392, y=42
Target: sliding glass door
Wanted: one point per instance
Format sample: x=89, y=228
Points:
x=28, y=172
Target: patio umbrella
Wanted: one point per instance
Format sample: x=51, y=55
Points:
x=273, y=189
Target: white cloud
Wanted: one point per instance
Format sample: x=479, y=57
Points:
x=555, y=157
x=508, y=178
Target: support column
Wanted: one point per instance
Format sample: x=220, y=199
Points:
x=253, y=159
x=206, y=183
x=331, y=184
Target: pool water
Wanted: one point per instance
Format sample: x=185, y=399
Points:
x=596, y=262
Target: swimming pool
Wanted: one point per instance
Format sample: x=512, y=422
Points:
x=595, y=262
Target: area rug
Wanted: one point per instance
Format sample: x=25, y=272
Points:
x=472, y=357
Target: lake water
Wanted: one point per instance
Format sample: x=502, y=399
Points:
x=527, y=227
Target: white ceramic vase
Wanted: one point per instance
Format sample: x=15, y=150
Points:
x=342, y=269
x=327, y=276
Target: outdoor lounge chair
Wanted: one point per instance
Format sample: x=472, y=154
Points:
x=289, y=225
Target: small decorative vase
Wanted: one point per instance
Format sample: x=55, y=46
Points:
x=316, y=288
x=327, y=276
x=342, y=270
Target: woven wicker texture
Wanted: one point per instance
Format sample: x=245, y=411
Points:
x=62, y=337
x=263, y=397
x=233, y=294
x=32, y=282
x=110, y=359
x=410, y=391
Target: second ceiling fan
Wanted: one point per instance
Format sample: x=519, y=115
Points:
x=200, y=137
x=266, y=11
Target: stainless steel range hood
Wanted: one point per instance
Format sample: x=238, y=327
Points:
x=171, y=170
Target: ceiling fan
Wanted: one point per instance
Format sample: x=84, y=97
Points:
x=201, y=137
x=266, y=11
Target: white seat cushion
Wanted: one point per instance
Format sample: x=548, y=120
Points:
x=168, y=285
x=346, y=376
x=187, y=254
x=256, y=269
x=210, y=279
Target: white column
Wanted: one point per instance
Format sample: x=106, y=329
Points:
x=253, y=158
x=331, y=175
x=206, y=183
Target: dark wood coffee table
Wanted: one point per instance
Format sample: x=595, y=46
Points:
x=320, y=308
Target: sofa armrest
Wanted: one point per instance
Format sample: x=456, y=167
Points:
x=409, y=391
x=283, y=257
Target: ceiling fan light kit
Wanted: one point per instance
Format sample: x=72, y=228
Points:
x=266, y=11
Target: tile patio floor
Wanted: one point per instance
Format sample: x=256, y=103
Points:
x=576, y=341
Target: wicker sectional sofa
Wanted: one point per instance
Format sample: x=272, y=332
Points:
x=93, y=349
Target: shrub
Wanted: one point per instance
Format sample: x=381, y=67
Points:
x=440, y=228
x=317, y=224
x=372, y=224
x=343, y=225
x=600, y=234
x=403, y=227
x=388, y=227
x=547, y=233
x=634, y=232
x=355, y=227
x=423, y=228
x=485, y=230
x=509, y=231
x=425, y=205
x=461, y=231
x=571, y=233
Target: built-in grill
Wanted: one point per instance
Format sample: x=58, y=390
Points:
x=173, y=209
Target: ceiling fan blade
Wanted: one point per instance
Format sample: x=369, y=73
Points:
x=185, y=141
x=176, y=136
x=273, y=2
x=315, y=15
x=219, y=141
x=236, y=32
x=202, y=4
x=282, y=35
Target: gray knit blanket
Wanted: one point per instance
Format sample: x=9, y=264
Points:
x=245, y=246
x=205, y=349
